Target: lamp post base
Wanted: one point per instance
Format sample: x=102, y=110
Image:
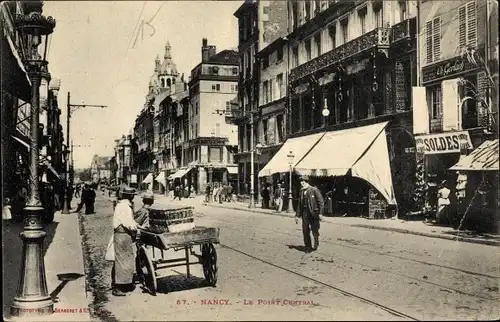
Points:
x=65, y=210
x=32, y=296
x=290, y=206
x=252, y=201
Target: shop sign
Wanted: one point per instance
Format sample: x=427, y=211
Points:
x=451, y=142
x=448, y=68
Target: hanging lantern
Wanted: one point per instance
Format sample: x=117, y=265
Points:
x=374, y=86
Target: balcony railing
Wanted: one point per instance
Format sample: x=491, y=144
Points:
x=406, y=29
x=379, y=37
x=235, y=115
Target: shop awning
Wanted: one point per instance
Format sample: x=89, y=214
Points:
x=484, y=158
x=149, y=178
x=179, y=174
x=14, y=77
x=161, y=178
x=232, y=170
x=363, y=150
x=298, y=146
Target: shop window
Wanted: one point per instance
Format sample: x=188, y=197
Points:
x=344, y=25
x=264, y=131
x=362, y=19
x=469, y=107
x=332, y=34
x=295, y=57
x=295, y=119
x=215, y=154
x=307, y=45
x=307, y=111
x=280, y=128
x=279, y=54
x=317, y=42
x=318, y=108
x=435, y=100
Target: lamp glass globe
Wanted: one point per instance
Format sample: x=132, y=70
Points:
x=326, y=112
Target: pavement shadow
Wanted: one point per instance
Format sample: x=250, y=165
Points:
x=178, y=283
x=300, y=248
x=65, y=279
x=12, y=253
x=471, y=234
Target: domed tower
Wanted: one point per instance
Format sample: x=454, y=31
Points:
x=168, y=73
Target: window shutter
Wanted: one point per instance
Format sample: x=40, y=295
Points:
x=471, y=24
x=450, y=101
x=428, y=41
x=436, y=38
x=462, y=27
x=420, y=111
x=482, y=109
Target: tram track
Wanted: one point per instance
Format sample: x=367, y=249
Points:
x=371, y=251
x=365, y=300
x=420, y=280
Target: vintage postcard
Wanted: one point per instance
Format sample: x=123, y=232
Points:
x=250, y=160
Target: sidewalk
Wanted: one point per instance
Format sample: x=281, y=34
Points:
x=64, y=269
x=394, y=225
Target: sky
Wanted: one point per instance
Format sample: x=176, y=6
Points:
x=103, y=52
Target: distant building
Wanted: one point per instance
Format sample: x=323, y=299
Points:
x=100, y=168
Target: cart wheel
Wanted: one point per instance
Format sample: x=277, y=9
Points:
x=145, y=271
x=209, y=256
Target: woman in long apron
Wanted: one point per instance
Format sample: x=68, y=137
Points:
x=125, y=230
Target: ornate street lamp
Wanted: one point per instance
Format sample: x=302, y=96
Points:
x=290, y=156
x=32, y=297
x=66, y=204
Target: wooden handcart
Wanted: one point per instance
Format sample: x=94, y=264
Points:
x=147, y=265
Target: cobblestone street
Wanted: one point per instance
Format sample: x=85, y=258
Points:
x=357, y=274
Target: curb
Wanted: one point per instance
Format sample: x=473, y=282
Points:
x=448, y=237
x=392, y=229
x=82, y=263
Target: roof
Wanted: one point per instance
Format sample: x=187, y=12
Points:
x=226, y=57
x=484, y=158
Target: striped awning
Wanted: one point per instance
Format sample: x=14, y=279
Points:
x=179, y=174
x=484, y=158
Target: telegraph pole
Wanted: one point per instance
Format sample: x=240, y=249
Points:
x=70, y=109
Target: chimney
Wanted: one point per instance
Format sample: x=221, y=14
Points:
x=204, y=50
x=211, y=51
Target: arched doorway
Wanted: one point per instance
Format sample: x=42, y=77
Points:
x=404, y=170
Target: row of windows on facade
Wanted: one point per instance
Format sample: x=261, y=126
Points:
x=268, y=131
x=471, y=86
x=324, y=40
x=467, y=32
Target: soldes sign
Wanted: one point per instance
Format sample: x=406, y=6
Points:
x=451, y=142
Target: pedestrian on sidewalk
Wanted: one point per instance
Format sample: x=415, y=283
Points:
x=278, y=198
x=443, y=204
x=310, y=209
x=141, y=216
x=208, y=190
x=229, y=192
x=178, y=192
x=266, y=196
x=215, y=193
x=124, y=234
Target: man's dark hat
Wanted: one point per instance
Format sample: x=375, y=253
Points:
x=128, y=191
x=304, y=178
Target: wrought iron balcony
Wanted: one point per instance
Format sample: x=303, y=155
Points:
x=235, y=116
x=379, y=37
x=406, y=29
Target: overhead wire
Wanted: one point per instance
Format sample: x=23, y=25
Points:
x=129, y=43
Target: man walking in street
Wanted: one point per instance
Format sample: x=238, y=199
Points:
x=310, y=209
